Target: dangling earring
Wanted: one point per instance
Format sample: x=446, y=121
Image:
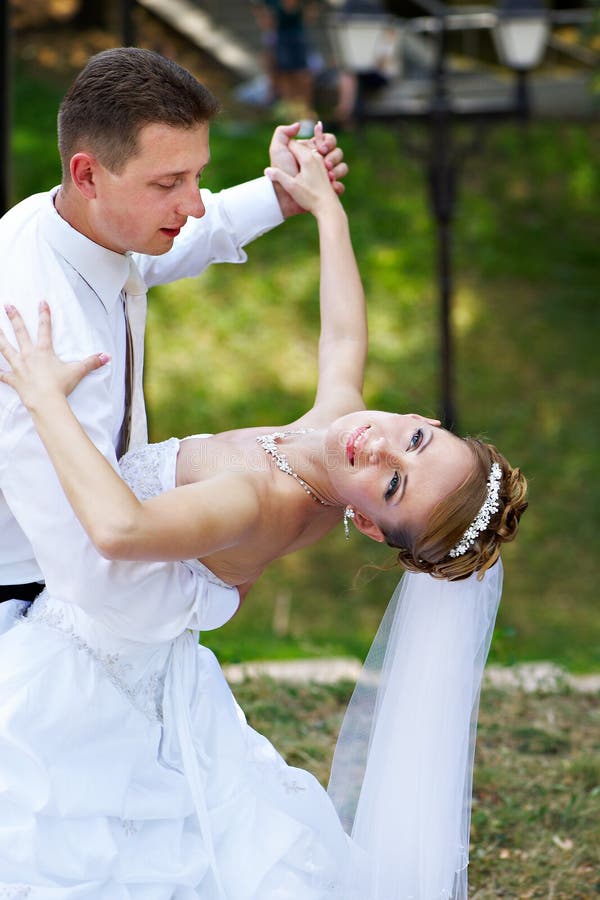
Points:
x=348, y=514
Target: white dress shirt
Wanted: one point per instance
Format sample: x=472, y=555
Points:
x=43, y=257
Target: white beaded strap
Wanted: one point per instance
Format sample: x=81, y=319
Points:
x=482, y=519
x=269, y=444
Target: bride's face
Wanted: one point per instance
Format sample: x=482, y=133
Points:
x=394, y=469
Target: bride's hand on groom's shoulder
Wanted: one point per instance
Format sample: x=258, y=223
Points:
x=36, y=373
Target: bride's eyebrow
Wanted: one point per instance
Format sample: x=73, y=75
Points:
x=426, y=441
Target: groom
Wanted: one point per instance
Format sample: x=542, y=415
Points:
x=133, y=138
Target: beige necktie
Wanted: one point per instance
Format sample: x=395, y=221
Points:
x=135, y=431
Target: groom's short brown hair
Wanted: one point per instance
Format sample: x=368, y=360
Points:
x=119, y=92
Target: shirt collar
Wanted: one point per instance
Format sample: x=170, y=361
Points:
x=104, y=270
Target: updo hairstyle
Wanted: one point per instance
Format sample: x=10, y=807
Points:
x=429, y=551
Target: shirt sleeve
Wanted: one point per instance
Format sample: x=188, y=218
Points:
x=142, y=601
x=233, y=218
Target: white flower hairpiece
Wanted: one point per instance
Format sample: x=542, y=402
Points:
x=482, y=519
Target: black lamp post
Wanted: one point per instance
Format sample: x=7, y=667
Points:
x=442, y=184
x=520, y=35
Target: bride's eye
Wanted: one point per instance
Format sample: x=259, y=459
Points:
x=392, y=486
x=416, y=439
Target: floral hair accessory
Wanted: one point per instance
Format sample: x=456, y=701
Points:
x=482, y=519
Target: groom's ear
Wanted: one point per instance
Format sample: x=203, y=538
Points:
x=83, y=168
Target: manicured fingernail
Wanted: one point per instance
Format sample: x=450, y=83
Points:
x=104, y=358
x=10, y=309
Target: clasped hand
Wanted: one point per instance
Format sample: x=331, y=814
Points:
x=310, y=187
x=36, y=373
x=283, y=158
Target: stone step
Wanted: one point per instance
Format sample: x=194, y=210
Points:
x=207, y=30
x=543, y=677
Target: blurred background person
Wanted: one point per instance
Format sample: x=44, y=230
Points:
x=288, y=53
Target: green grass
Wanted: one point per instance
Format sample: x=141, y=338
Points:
x=237, y=347
x=534, y=827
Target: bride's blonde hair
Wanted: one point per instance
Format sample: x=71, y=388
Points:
x=429, y=551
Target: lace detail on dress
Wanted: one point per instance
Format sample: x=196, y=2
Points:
x=142, y=468
x=145, y=694
x=150, y=470
x=292, y=787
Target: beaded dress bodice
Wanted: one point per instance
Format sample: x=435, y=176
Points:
x=150, y=470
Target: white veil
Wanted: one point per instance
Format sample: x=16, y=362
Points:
x=402, y=771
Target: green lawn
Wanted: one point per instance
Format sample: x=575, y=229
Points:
x=237, y=347
x=536, y=788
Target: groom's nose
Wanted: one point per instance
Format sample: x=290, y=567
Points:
x=191, y=204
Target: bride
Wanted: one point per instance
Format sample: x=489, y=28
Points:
x=127, y=768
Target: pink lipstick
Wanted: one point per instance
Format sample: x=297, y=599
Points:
x=353, y=442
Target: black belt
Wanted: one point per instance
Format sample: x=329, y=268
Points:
x=20, y=591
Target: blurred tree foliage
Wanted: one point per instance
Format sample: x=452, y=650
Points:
x=41, y=13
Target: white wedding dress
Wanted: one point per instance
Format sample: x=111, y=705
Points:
x=127, y=770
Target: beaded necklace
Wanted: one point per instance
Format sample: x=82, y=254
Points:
x=269, y=444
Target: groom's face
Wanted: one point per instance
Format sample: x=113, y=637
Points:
x=144, y=207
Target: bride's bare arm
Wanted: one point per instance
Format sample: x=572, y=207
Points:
x=343, y=340
x=187, y=522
